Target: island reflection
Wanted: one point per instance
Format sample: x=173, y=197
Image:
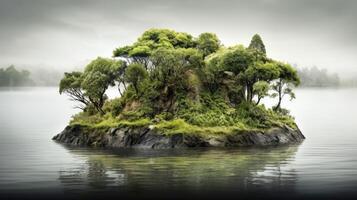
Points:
x=195, y=170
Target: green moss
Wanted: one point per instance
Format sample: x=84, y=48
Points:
x=180, y=126
x=213, y=111
x=85, y=119
x=115, y=106
x=136, y=123
x=106, y=121
x=210, y=116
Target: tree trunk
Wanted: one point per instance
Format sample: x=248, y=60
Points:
x=259, y=98
x=101, y=110
x=277, y=107
x=121, y=94
x=136, y=89
x=249, y=93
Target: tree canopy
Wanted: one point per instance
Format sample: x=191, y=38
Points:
x=208, y=43
x=135, y=75
x=168, y=74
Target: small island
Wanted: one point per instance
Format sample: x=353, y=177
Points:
x=176, y=90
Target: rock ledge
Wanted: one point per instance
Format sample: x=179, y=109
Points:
x=145, y=137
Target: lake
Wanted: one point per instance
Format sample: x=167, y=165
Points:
x=32, y=165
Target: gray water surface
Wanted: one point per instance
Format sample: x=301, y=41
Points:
x=325, y=163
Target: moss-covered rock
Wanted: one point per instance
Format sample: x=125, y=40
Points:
x=148, y=137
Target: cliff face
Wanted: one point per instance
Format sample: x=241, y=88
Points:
x=145, y=137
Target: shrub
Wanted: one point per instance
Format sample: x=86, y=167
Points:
x=115, y=106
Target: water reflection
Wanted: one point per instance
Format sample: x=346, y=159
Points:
x=133, y=170
x=325, y=164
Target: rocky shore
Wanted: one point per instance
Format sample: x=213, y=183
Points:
x=144, y=137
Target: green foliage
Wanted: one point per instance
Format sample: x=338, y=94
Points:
x=179, y=126
x=97, y=77
x=70, y=81
x=257, y=44
x=89, y=87
x=261, y=72
x=236, y=59
x=71, y=84
x=238, y=66
x=261, y=89
x=136, y=123
x=115, y=106
x=214, y=111
x=208, y=43
x=226, y=69
x=172, y=64
x=140, y=51
x=152, y=40
x=106, y=120
x=288, y=77
x=132, y=114
x=181, y=84
x=86, y=119
x=104, y=65
x=156, y=38
x=135, y=74
x=95, y=84
x=164, y=116
x=122, y=51
x=288, y=73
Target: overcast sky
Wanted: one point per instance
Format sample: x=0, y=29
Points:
x=65, y=34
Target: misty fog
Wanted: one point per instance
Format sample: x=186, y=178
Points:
x=62, y=35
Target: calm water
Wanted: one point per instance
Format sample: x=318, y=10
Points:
x=30, y=163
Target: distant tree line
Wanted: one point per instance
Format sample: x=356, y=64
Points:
x=315, y=77
x=10, y=76
x=14, y=77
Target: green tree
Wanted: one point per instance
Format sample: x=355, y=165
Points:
x=170, y=75
x=165, y=38
x=135, y=74
x=239, y=66
x=288, y=77
x=208, y=43
x=95, y=84
x=152, y=40
x=71, y=85
x=97, y=77
x=234, y=60
x=119, y=76
x=214, y=71
x=259, y=71
x=261, y=89
x=172, y=64
x=257, y=44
